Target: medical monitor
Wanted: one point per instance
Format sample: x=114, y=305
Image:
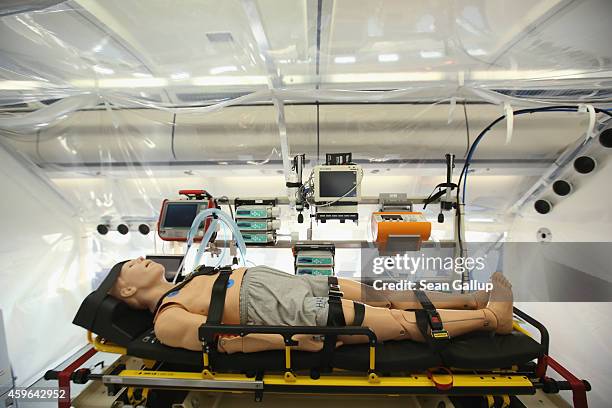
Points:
x=176, y=217
x=337, y=183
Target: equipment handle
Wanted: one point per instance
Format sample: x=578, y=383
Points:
x=51, y=375
x=438, y=385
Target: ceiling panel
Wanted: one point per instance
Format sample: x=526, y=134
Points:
x=160, y=53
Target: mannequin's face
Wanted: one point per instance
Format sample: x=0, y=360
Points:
x=135, y=277
x=141, y=273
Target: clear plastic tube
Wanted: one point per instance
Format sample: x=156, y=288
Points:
x=205, y=240
x=222, y=216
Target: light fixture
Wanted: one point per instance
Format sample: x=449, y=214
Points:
x=122, y=229
x=431, y=54
x=482, y=219
x=388, y=57
x=103, y=70
x=476, y=52
x=543, y=206
x=228, y=80
x=562, y=188
x=177, y=76
x=584, y=164
x=102, y=229
x=144, y=229
x=222, y=69
x=120, y=83
x=605, y=138
x=345, y=59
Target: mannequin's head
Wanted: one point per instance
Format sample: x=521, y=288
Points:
x=135, y=281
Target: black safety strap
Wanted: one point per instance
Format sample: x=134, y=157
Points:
x=359, y=313
x=335, y=318
x=201, y=270
x=217, y=300
x=429, y=323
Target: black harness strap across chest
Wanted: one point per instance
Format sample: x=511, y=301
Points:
x=217, y=300
x=201, y=271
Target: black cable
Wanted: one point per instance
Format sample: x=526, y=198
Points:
x=467, y=130
x=459, y=202
x=560, y=108
x=229, y=204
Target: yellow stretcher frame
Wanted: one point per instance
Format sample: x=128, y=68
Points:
x=464, y=382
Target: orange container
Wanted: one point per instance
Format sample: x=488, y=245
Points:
x=387, y=223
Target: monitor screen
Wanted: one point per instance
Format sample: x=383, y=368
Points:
x=337, y=183
x=179, y=215
x=171, y=263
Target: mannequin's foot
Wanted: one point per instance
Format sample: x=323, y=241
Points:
x=500, y=303
x=481, y=298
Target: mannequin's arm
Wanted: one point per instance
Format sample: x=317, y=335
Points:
x=176, y=327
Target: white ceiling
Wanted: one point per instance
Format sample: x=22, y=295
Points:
x=162, y=52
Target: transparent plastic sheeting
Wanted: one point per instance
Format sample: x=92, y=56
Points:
x=107, y=108
x=140, y=53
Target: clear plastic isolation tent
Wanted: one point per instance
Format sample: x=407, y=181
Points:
x=108, y=107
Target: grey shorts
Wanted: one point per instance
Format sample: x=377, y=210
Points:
x=274, y=298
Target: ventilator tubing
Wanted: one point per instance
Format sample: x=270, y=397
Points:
x=209, y=212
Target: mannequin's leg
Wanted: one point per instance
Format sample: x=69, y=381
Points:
x=392, y=324
x=406, y=299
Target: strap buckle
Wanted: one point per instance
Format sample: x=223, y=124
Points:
x=435, y=322
x=335, y=293
x=440, y=334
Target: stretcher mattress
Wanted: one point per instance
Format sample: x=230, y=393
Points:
x=476, y=351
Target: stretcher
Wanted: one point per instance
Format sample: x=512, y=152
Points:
x=497, y=368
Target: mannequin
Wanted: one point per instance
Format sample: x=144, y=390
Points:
x=141, y=284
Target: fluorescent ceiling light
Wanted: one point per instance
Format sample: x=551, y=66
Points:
x=225, y=68
x=388, y=57
x=431, y=54
x=103, y=70
x=481, y=220
x=384, y=77
x=529, y=74
x=142, y=75
x=346, y=59
x=230, y=80
x=149, y=143
x=120, y=83
x=476, y=52
x=19, y=85
x=179, y=75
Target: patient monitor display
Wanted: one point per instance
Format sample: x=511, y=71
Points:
x=176, y=217
x=336, y=183
x=180, y=215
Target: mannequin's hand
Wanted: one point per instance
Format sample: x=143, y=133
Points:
x=308, y=342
